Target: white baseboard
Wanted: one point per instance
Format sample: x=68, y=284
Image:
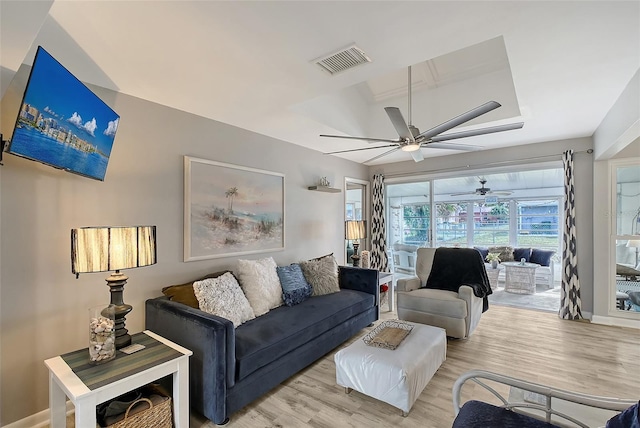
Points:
x=615, y=321
x=38, y=420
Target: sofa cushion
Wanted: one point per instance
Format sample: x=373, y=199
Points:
x=183, y=293
x=630, y=418
x=266, y=339
x=484, y=252
x=432, y=301
x=479, y=414
x=322, y=274
x=521, y=253
x=295, y=288
x=505, y=252
x=541, y=257
x=223, y=297
x=260, y=283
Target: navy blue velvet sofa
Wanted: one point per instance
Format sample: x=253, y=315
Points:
x=231, y=367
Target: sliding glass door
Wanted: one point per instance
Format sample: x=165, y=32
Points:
x=524, y=212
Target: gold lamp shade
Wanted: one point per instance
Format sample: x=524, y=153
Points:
x=102, y=249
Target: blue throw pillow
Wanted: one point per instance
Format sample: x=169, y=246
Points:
x=541, y=257
x=295, y=288
x=522, y=253
x=484, y=252
x=630, y=418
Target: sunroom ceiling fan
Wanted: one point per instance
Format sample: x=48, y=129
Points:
x=482, y=191
x=412, y=140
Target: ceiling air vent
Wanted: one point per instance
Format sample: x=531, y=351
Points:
x=342, y=60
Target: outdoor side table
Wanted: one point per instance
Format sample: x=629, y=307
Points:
x=86, y=385
x=520, y=278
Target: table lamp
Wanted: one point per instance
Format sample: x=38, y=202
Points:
x=355, y=230
x=103, y=249
x=634, y=243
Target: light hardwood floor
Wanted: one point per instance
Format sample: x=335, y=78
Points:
x=533, y=345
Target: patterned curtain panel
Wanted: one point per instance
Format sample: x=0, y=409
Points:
x=570, y=293
x=378, y=254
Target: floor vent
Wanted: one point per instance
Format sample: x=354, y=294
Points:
x=342, y=60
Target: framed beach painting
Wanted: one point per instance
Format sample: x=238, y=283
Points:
x=230, y=210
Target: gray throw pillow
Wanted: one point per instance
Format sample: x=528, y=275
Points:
x=322, y=274
x=506, y=253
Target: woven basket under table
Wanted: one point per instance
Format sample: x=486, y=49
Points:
x=158, y=416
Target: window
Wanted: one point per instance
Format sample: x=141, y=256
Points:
x=416, y=220
x=523, y=209
x=451, y=224
x=408, y=214
x=490, y=224
x=538, y=224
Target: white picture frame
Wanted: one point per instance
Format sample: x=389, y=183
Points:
x=231, y=210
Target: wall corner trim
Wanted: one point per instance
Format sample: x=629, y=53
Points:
x=38, y=420
x=615, y=321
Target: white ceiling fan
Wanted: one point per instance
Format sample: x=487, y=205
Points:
x=412, y=140
x=482, y=191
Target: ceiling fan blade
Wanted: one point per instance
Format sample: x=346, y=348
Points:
x=474, y=132
x=383, y=154
x=451, y=146
x=500, y=192
x=462, y=194
x=365, y=148
x=371, y=140
x=458, y=120
x=399, y=123
x=417, y=155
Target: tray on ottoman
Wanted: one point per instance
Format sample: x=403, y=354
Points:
x=398, y=376
x=388, y=335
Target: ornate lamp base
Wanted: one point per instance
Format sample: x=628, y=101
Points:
x=116, y=282
x=355, y=259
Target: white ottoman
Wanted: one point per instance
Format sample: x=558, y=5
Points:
x=396, y=377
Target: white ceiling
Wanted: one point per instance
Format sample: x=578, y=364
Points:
x=249, y=63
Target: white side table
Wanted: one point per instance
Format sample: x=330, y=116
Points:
x=493, y=275
x=387, y=278
x=70, y=375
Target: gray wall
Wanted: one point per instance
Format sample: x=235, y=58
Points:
x=525, y=157
x=618, y=136
x=44, y=308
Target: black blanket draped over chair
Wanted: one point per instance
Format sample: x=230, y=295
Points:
x=453, y=267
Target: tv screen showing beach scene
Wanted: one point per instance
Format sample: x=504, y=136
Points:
x=62, y=123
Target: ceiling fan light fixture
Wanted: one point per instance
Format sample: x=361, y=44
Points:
x=410, y=147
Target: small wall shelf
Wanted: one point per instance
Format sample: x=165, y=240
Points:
x=325, y=189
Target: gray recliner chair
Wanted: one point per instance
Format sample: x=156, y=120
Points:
x=457, y=312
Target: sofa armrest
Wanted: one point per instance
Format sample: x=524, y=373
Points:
x=474, y=307
x=212, y=341
x=408, y=284
x=359, y=279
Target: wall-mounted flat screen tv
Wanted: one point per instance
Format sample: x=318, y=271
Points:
x=62, y=123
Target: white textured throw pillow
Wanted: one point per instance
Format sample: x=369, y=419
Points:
x=222, y=296
x=260, y=283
